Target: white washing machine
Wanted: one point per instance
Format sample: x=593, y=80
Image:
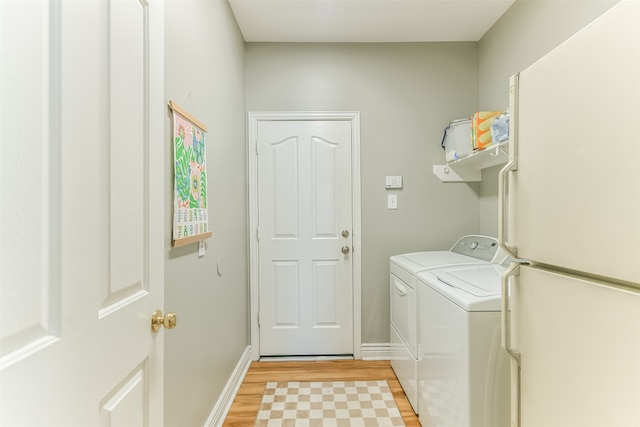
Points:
x=469, y=250
x=463, y=372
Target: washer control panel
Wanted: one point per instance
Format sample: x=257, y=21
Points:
x=480, y=247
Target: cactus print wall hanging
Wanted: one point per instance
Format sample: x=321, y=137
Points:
x=190, y=216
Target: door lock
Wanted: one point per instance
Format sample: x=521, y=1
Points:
x=158, y=320
x=345, y=233
x=345, y=249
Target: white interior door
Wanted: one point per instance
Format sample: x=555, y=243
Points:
x=81, y=214
x=305, y=237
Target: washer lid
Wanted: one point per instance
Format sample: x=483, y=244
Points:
x=418, y=261
x=478, y=280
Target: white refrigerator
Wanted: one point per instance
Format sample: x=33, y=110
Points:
x=570, y=212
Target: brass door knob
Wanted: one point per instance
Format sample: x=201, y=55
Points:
x=158, y=320
x=345, y=249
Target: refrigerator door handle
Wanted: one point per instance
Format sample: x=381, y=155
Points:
x=503, y=211
x=513, y=270
x=511, y=166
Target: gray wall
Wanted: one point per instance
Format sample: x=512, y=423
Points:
x=205, y=55
x=406, y=94
x=525, y=33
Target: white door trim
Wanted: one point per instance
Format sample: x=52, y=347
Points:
x=252, y=166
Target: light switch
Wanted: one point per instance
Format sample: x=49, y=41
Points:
x=201, y=248
x=392, y=201
x=393, y=181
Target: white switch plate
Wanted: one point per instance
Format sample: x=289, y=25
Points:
x=201, y=248
x=392, y=201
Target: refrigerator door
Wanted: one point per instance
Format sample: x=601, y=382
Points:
x=579, y=344
x=575, y=196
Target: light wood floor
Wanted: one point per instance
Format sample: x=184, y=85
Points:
x=247, y=402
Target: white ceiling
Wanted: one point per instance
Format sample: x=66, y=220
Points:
x=366, y=20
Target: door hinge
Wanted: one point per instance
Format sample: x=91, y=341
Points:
x=257, y=233
x=258, y=318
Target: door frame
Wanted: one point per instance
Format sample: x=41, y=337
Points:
x=254, y=118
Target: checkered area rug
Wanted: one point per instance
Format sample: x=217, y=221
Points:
x=328, y=404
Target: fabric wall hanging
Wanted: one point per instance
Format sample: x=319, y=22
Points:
x=190, y=214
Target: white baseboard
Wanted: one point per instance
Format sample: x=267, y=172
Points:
x=376, y=351
x=220, y=411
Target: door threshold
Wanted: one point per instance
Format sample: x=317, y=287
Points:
x=305, y=358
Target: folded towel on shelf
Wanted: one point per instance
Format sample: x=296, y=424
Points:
x=481, y=135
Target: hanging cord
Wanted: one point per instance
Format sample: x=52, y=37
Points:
x=193, y=109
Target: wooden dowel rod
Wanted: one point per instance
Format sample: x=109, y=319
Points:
x=191, y=239
x=178, y=109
